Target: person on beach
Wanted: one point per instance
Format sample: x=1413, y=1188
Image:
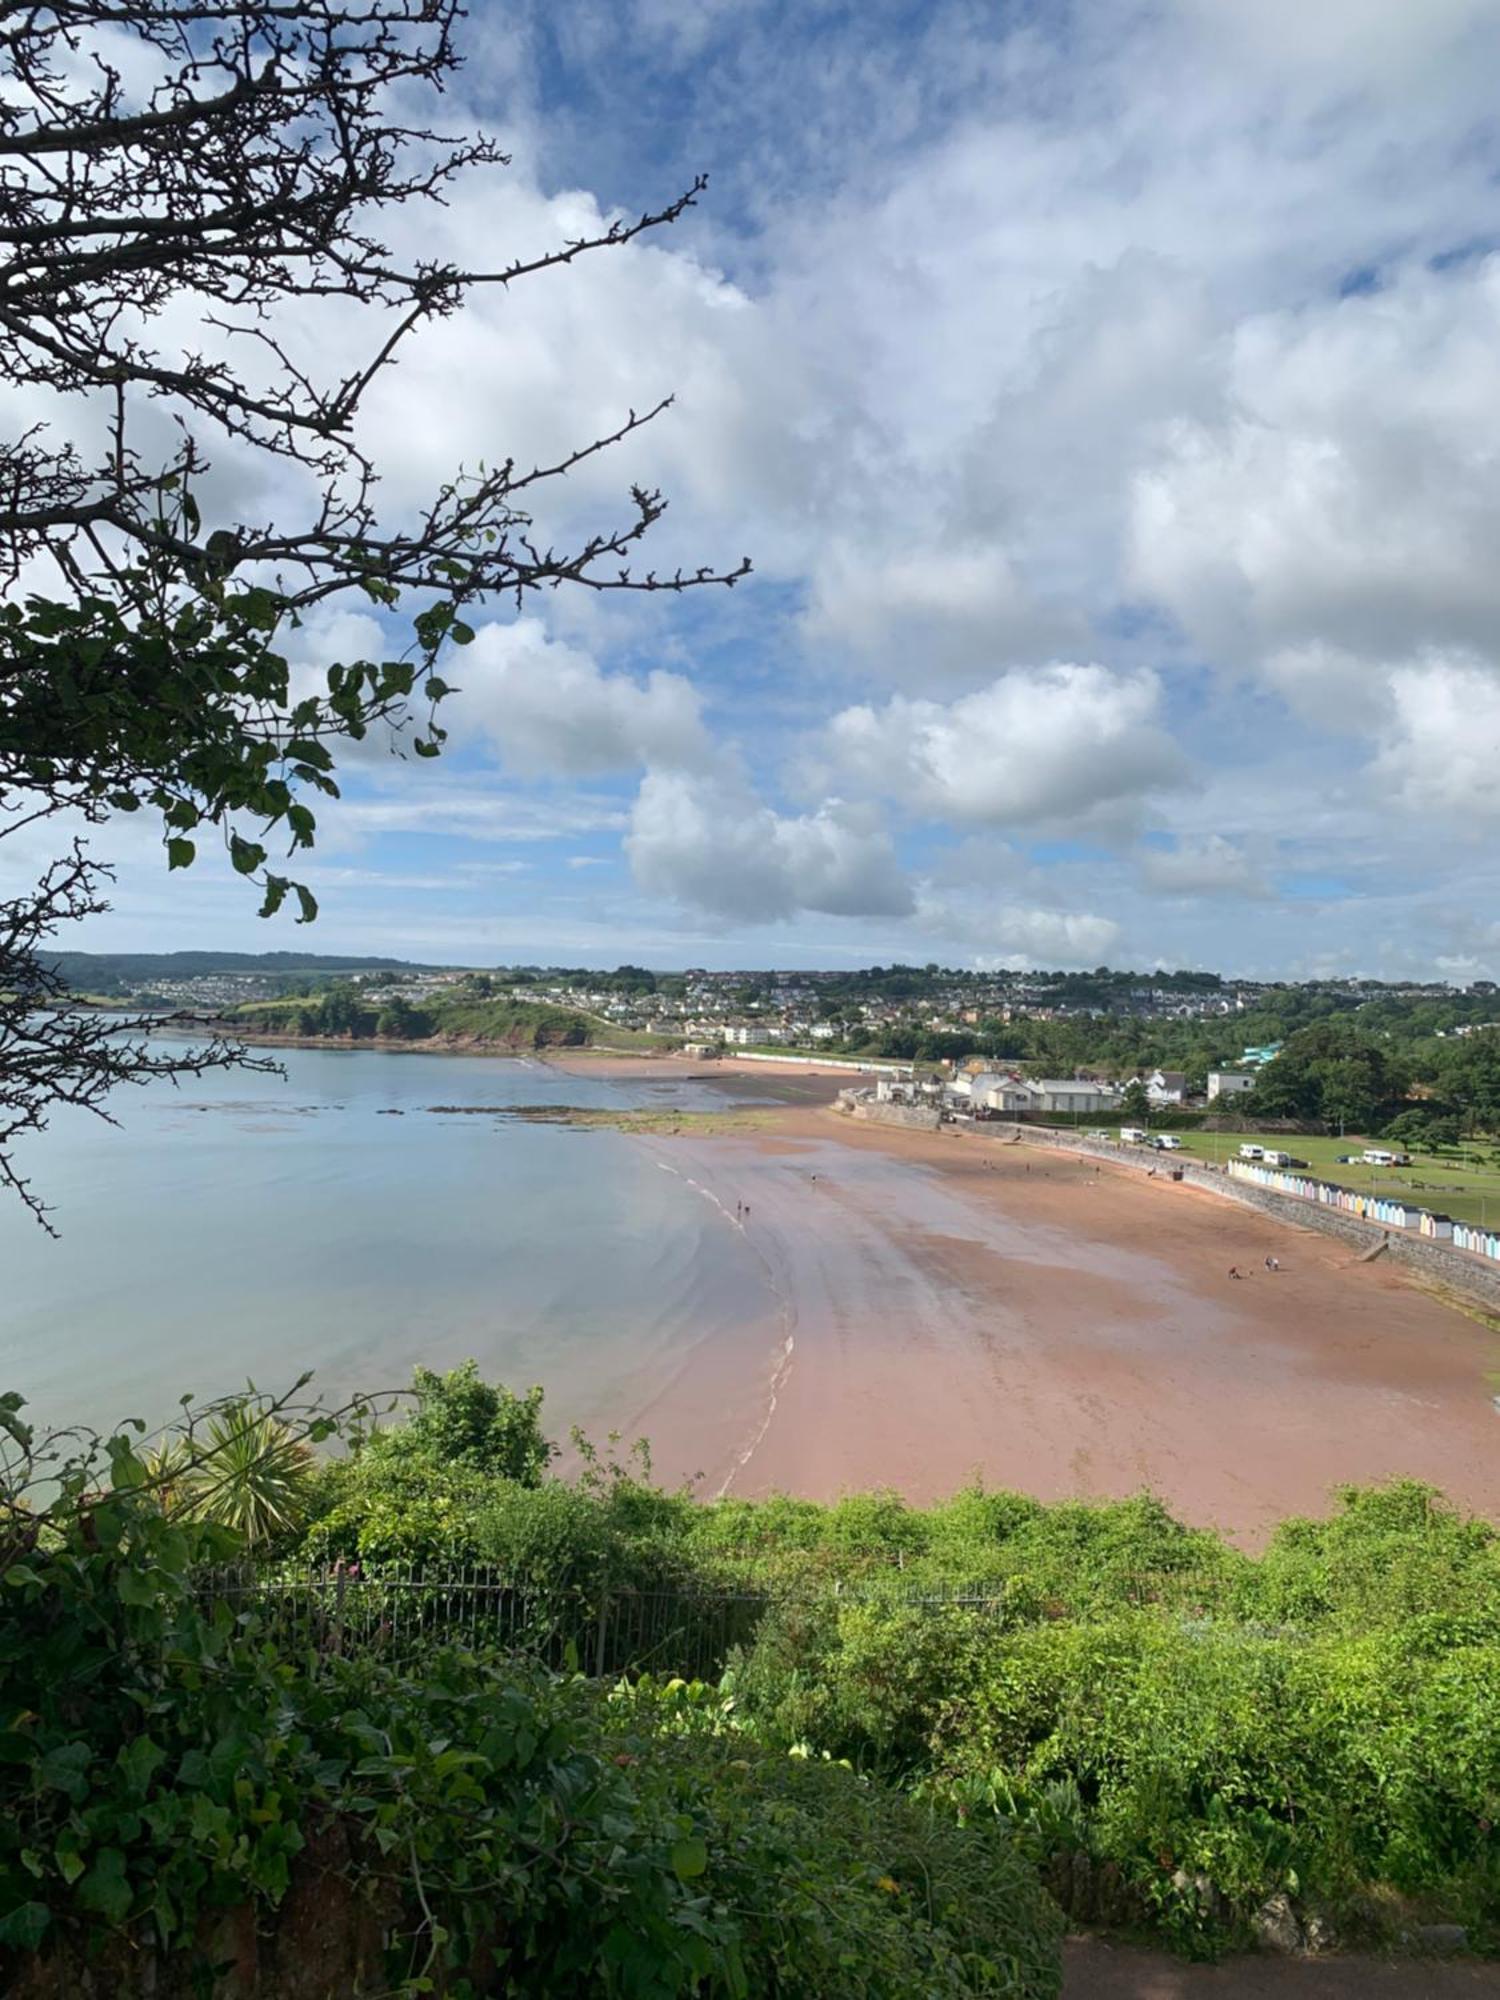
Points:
x=1235, y=1271
x=1272, y=1264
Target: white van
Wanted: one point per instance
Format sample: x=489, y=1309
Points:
x=1165, y=1143
x=1134, y=1135
x=1273, y=1158
x=1252, y=1152
x=1381, y=1156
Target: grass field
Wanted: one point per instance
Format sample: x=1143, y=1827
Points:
x=1464, y=1182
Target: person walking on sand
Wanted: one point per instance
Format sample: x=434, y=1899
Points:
x=1272, y=1264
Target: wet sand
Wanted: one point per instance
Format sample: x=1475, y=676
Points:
x=944, y=1307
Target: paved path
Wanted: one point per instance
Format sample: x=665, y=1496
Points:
x=1095, y=1970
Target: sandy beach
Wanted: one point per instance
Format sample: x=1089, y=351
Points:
x=944, y=1307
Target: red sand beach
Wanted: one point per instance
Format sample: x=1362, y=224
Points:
x=943, y=1307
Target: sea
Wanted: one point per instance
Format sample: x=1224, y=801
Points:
x=348, y=1217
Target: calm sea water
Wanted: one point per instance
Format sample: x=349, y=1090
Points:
x=254, y=1226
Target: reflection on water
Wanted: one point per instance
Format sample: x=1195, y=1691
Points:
x=253, y=1226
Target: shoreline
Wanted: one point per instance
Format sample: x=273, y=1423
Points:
x=942, y=1308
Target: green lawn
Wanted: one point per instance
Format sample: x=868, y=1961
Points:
x=1464, y=1182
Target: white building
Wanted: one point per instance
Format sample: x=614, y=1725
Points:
x=1228, y=1083
x=1076, y=1094
x=1166, y=1086
x=1041, y=1095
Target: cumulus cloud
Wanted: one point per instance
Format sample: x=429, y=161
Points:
x=1039, y=746
x=708, y=842
x=551, y=712
x=930, y=616
x=1441, y=751
x=1015, y=936
x=1349, y=495
x=1210, y=867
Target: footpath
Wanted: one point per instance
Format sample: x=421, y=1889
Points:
x=1094, y=1969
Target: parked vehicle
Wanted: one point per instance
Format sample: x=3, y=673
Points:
x=1165, y=1143
x=1252, y=1152
x=1382, y=1156
x=1134, y=1135
x=1274, y=1157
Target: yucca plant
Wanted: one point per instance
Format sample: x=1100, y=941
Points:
x=169, y=1474
x=250, y=1472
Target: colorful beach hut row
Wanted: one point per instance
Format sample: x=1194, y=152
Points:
x=1483, y=1242
x=1390, y=1211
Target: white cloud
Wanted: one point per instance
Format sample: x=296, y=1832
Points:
x=1210, y=867
x=551, y=712
x=930, y=616
x=1441, y=754
x=1349, y=495
x=1067, y=742
x=1015, y=936
x=709, y=843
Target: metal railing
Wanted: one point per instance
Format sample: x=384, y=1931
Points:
x=400, y=1612
x=596, y=1626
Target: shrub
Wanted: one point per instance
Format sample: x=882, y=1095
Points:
x=166, y=1766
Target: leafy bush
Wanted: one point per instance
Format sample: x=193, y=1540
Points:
x=166, y=1765
x=480, y=1426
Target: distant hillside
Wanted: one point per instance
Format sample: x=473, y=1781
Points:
x=341, y=1015
x=125, y=972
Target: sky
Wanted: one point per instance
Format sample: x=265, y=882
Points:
x=1108, y=398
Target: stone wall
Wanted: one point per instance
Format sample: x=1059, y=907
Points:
x=914, y=1117
x=1474, y=1278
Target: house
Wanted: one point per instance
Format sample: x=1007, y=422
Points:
x=1166, y=1086
x=993, y=1091
x=1041, y=1096
x=1075, y=1094
x=1228, y=1083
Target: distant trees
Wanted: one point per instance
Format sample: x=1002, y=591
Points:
x=1332, y=1072
x=1135, y=1105
x=399, y=1021
x=1467, y=1070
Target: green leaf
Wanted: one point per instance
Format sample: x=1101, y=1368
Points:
x=180, y=853
x=308, y=901
x=135, y=1588
x=246, y=855
x=689, y=1858
x=461, y=634
x=63, y=1768
x=140, y=1760
x=276, y=892
x=106, y=1887
x=23, y=1927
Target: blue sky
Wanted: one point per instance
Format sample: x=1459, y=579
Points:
x=1109, y=400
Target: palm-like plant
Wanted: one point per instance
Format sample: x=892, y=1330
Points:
x=250, y=1473
x=169, y=1473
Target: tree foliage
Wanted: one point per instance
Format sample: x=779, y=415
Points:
x=196, y=197
x=167, y=1767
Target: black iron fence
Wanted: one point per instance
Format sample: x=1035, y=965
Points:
x=400, y=1612
x=597, y=1626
